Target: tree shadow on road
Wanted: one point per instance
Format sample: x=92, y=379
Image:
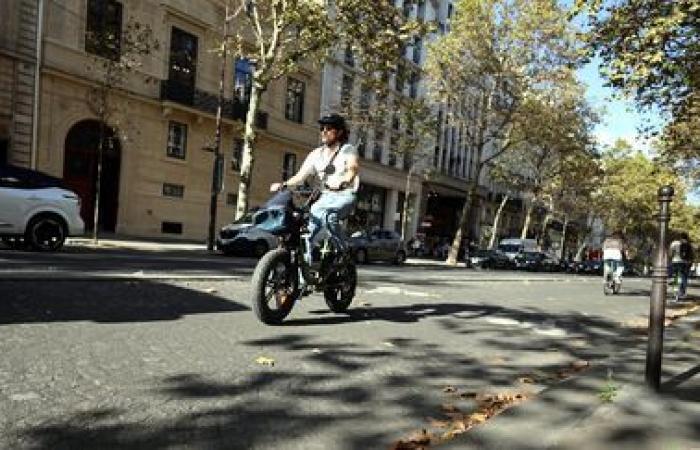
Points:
x=128, y=301
x=356, y=396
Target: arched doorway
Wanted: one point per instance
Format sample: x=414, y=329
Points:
x=80, y=172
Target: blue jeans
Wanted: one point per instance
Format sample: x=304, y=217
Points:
x=328, y=211
x=613, y=266
x=682, y=269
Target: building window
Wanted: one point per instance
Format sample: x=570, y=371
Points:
x=237, y=155
x=361, y=143
x=103, y=28
x=417, y=50
x=413, y=86
x=182, y=70
x=349, y=56
x=346, y=91
x=393, y=149
x=243, y=80
x=173, y=190
x=289, y=166
x=171, y=227
x=378, y=149
x=231, y=199
x=177, y=140
x=294, y=109
x=365, y=98
x=400, y=77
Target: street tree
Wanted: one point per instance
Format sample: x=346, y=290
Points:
x=496, y=54
x=651, y=51
x=279, y=35
x=114, y=58
x=627, y=198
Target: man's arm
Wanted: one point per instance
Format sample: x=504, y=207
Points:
x=298, y=178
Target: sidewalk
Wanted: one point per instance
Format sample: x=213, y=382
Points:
x=572, y=414
x=128, y=243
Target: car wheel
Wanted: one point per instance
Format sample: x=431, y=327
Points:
x=260, y=248
x=400, y=257
x=361, y=256
x=46, y=233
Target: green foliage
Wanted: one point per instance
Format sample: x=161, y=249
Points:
x=651, y=51
x=627, y=199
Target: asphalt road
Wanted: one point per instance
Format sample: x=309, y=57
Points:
x=147, y=362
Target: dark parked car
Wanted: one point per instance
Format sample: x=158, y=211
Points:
x=383, y=245
x=590, y=267
x=537, y=262
x=240, y=237
x=490, y=259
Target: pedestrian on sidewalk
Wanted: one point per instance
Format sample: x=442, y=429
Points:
x=681, y=257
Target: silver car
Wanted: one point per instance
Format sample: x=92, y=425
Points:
x=385, y=245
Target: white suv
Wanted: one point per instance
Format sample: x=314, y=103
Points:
x=34, y=207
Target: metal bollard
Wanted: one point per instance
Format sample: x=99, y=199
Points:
x=657, y=311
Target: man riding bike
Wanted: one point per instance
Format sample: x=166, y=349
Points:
x=614, y=255
x=681, y=257
x=336, y=164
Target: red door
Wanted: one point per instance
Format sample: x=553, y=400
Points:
x=80, y=172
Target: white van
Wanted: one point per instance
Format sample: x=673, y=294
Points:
x=511, y=247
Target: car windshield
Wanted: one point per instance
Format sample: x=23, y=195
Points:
x=482, y=253
x=246, y=218
x=509, y=248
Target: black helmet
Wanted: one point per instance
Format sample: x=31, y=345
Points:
x=335, y=120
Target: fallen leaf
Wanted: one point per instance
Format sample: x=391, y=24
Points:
x=478, y=417
x=265, y=361
x=526, y=380
x=580, y=364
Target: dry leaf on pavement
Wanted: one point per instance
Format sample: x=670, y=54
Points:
x=265, y=361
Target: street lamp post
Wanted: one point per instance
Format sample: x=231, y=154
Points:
x=657, y=310
x=217, y=168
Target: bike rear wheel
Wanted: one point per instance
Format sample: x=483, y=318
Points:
x=275, y=287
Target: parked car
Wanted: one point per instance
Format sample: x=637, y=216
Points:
x=590, y=267
x=383, y=245
x=37, y=210
x=537, y=262
x=511, y=247
x=242, y=238
x=490, y=259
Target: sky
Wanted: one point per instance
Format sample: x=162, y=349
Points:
x=620, y=119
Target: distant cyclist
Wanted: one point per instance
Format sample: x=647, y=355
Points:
x=614, y=255
x=681, y=256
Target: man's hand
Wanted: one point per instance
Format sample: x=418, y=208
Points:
x=274, y=187
x=335, y=185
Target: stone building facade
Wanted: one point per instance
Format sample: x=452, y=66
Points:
x=18, y=80
x=157, y=171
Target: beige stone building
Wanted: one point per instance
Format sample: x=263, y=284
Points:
x=18, y=80
x=157, y=172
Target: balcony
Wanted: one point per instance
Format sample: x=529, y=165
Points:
x=206, y=102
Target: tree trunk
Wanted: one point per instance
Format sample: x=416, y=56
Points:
x=496, y=220
x=562, y=245
x=528, y=219
x=249, y=136
x=543, y=231
x=463, y=219
x=406, y=204
x=98, y=182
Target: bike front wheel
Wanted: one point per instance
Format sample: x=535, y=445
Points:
x=275, y=287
